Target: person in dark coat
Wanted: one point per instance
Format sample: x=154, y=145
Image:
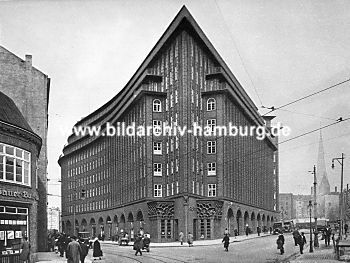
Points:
x=138, y=244
x=247, y=230
x=280, y=243
x=97, y=252
x=84, y=245
x=226, y=241
x=190, y=239
x=146, y=242
x=328, y=234
x=296, y=236
x=25, y=250
x=258, y=230
x=73, y=251
x=301, y=242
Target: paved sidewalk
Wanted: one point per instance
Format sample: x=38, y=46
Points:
x=321, y=254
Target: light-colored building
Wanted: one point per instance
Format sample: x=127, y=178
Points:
x=53, y=218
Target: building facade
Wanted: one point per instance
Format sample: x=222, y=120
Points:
x=286, y=206
x=29, y=89
x=167, y=184
x=19, y=195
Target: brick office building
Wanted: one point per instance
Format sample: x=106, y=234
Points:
x=29, y=89
x=167, y=184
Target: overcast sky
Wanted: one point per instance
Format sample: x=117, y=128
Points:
x=279, y=51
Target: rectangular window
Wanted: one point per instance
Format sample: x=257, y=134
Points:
x=211, y=124
x=172, y=188
x=177, y=187
x=211, y=190
x=157, y=169
x=157, y=190
x=167, y=190
x=211, y=168
x=157, y=148
x=211, y=147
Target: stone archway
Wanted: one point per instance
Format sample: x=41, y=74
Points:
x=101, y=227
x=258, y=219
x=83, y=225
x=108, y=230
x=253, y=223
x=115, y=226
x=131, y=226
x=93, y=227
x=140, y=222
x=246, y=220
x=122, y=223
x=230, y=222
x=69, y=227
x=239, y=221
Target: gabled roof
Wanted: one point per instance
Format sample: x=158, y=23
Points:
x=118, y=104
x=182, y=17
x=9, y=113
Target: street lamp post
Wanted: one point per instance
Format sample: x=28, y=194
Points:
x=310, y=209
x=315, y=206
x=341, y=162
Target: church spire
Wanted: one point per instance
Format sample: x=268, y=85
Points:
x=322, y=179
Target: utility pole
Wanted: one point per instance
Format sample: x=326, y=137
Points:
x=341, y=162
x=315, y=207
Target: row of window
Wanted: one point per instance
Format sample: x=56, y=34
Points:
x=14, y=165
x=157, y=147
x=158, y=171
x=158, y=190
x=157, y=104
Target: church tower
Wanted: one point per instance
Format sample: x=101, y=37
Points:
x=322, y=179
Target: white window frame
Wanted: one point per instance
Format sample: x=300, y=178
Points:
x=211, y=147
x=157, y=190
x=211, y=168
x=157, y=169
x=211, y=104
x=24, y=160
x=211, y=190
x=211, y=123
x=157, y=105
x=157, y=148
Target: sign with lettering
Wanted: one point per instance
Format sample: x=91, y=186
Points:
x=18, y=194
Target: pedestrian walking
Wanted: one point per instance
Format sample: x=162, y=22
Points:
x=328, y=234
x=280, y=243
x=190, y=239
x=97, y=252
x=73, y=251
x=247, y=230
x=226, y=231
x=301, y=242
x=181, y=237
x=258, y=229
x=146, y=242
x=84, y=245
x=296, y=235
x=25, y=251
x=138, y=244
x=226, y=241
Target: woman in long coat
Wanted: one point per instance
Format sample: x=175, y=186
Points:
x=25, y=253
x=226, y=241
x=97, y=253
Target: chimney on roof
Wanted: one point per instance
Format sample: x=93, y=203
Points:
x=29, y=60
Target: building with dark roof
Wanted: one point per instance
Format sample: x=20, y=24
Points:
x=19, y=151
x=28, y=89
x=167, y=184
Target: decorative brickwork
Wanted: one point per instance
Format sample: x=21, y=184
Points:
x=209, y=209
x=164, y=210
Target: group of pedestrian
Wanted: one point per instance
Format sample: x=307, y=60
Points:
x=326, y=235
x=189, y=238
x=77, y=250
x=142, y=242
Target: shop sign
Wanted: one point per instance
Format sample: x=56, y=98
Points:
x=18, y=194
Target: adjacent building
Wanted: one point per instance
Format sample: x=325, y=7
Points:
x=23, y=144
x=167, y=184
x=286, y=206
